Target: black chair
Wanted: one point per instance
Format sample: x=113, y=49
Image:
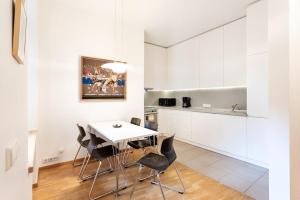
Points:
x=159, y=163
x=135, y=121
x=83, y=143
x=140, y=144
x=99, y=154
x=96, y=141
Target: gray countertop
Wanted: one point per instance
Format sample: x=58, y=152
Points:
x=222, y=111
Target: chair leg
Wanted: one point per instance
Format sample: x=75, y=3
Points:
x=160, y=186
x=180, y=178
x=135, y=182
x=84, y=167
x=180, y=191
x=76, y=165
x=147, y=177
x=95, y=178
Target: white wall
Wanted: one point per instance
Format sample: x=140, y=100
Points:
x=295, y=97
x=67, y=30
x=32, y=63
x=279, y=133
x=155, y=67
x=15, y=184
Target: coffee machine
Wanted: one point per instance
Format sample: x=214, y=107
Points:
x=186, y=102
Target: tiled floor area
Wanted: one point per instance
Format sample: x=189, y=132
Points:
x=242, y=176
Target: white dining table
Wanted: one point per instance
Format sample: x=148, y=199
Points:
x=118, y=136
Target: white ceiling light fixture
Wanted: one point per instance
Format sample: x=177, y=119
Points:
x=117, y=66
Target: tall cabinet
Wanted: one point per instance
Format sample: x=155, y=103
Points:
x=257, y=81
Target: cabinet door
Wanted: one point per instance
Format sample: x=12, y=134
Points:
x=205, y=129
x=257, y=138
x=257, y=27
x=182, y=65
x=235, y=53
x=155, y=67
x=180, y=124
x=163, y=121
x=211, y=59
x=233, y=138
x=257, y=83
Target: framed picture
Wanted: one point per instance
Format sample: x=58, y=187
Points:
x=101, y=83
x=19, y=31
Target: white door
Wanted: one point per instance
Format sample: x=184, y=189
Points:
x=211, y=59
x=235, y=53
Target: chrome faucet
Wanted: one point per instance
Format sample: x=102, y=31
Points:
x=234, y=107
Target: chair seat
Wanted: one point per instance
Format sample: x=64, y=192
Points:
x=154, y=161
x=139, y=144
x=104, y=152
x=85, y=143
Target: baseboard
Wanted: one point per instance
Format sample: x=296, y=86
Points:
x=60, y=164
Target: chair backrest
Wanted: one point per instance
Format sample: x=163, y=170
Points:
x=152, y=139
x=81, y=135
x=167, y=149
x=93, y=143
x=135, y=121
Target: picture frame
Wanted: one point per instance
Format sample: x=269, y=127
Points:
x=97, y=83
x=19, y=31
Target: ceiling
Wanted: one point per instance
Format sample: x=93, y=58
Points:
x=168, y=22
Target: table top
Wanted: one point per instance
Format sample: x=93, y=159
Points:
x=128, y=131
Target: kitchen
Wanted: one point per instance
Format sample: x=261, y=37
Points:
x=211, y=92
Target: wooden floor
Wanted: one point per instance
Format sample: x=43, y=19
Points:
x=61, y=183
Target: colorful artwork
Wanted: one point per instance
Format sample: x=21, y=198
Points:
x=98, y=82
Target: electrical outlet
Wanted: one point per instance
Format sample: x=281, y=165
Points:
x=206, y=105
x=50, y=159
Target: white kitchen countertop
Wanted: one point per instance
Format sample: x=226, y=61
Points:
x=222, y=111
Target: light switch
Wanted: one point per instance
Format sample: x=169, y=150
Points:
x=11, y=154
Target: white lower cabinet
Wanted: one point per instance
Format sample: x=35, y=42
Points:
x=237, y=136
x=222, y=132
x=233, y=137
x=163, y=121
x=180, y=124
x=206, y=129
x=175, y=122
x=257, y=139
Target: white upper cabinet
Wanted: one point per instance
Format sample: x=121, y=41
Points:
x=210, y=57
x=257, y=28
x=182, y=65
x=155, y=67
x=257, y=83
x=235, y=53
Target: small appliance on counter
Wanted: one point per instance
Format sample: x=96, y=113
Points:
x=186, y=102
x=167, y=102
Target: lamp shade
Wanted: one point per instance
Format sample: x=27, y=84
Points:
x=116, y=67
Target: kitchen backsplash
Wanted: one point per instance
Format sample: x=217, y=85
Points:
x=218, y=98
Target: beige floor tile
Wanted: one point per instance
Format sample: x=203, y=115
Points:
x=235, y=182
